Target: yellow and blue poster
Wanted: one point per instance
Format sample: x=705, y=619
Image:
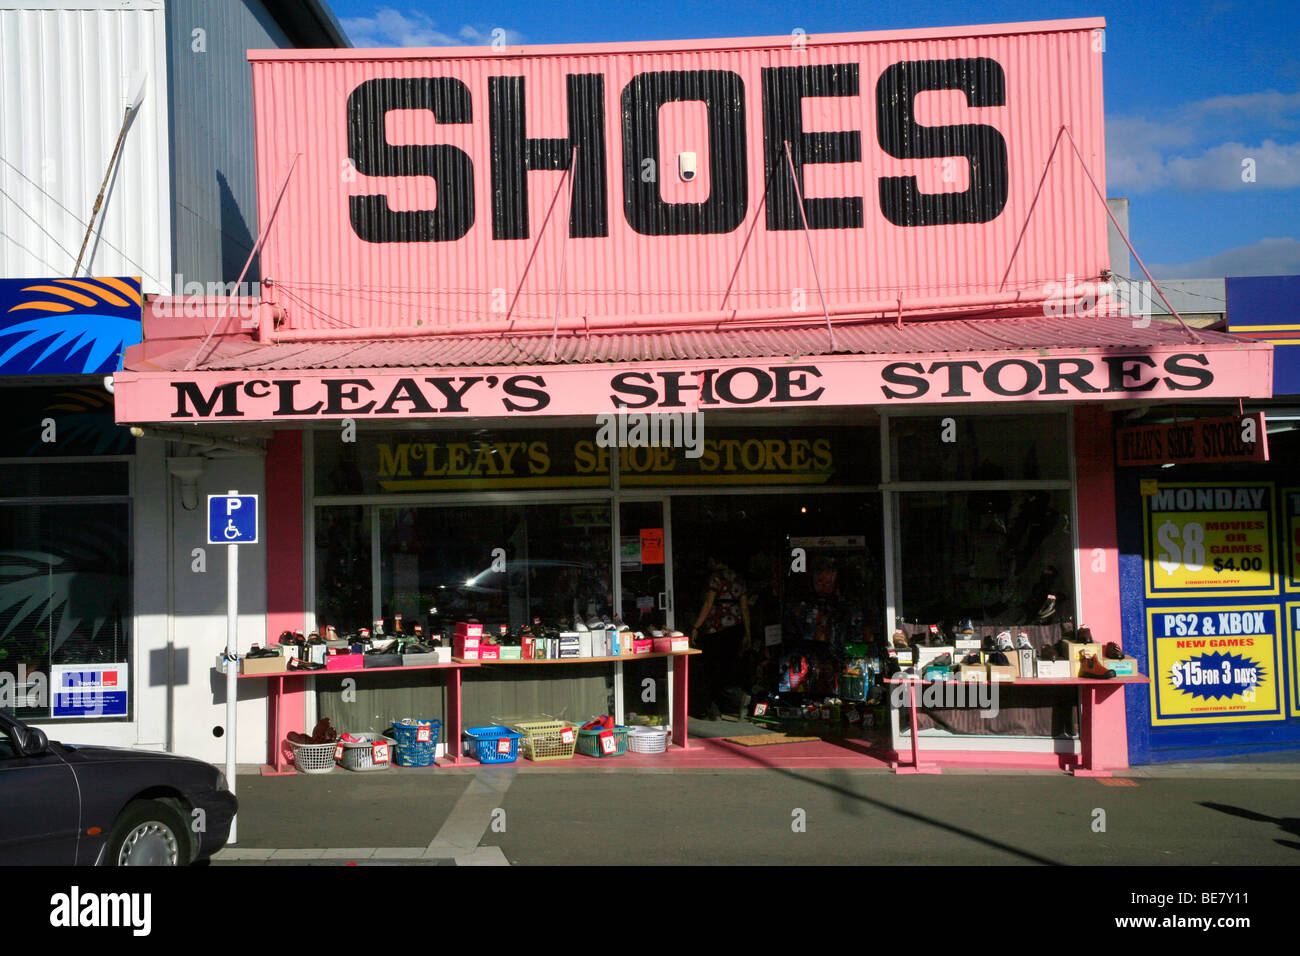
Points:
x=1215, y=666
x=68, y=326
x=1206, y=540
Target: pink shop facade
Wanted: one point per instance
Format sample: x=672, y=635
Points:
x=548, y=334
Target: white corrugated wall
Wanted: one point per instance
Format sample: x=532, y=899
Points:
x=65, y=77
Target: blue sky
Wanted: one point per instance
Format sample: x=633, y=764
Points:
x=1191, y=90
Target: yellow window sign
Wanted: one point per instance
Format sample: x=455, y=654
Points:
x=1214, y=666
x=1207, y=539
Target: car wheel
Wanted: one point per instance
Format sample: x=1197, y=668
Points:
x=148, y=833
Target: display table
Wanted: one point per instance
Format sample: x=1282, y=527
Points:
x=1092, y=691
x=678, y=672
x=277, y=695
x=286, y=691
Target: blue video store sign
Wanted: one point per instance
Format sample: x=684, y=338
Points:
x=1210, y=609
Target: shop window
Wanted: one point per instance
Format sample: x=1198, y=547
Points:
x=500, y=564
x=992, y=556
x=62, y=480
x=65, y=586
x=979, y=448
x=343, y=589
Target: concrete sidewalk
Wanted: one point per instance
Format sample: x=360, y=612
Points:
x=692, y=817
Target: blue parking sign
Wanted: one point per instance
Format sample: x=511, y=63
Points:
x=232, y=519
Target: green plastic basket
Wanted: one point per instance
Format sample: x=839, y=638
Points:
x=589, y=743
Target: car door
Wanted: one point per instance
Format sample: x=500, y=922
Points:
x=40, y=808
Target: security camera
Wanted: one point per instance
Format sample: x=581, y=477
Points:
x=686, y=166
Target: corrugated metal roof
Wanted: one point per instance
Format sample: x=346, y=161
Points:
x=953, y=335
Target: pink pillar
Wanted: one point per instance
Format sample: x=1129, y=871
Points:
x=1099, y=602
x=284, y=577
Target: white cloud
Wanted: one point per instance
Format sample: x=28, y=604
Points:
x=1272, y=165
x=392, y=28
x=1268, y=257
x=1186, y=147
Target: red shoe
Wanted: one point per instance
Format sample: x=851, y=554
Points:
x=1091, y=667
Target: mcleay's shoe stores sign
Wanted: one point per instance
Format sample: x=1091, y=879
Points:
x=594, y=390
x=575, y=458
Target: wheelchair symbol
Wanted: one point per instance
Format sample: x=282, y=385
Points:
x=231, y=532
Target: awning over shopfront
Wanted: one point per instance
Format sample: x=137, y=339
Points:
x=991, y=360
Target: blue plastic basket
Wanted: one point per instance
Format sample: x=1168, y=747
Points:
x=485, y=740
x=411, y=752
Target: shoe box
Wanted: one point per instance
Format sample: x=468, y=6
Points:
x=1125, y=667
x=466, y=646
x=1076, y=650
x=439, y=655
x=570, y=646
x=314, y=653
x=489, y=652
x=973, y=672
x=1004, y=672
x=1052, y=670
x=1008, y=671
x=1024, y=660
x=344, y=662
x=926, y=654
x=264, y=665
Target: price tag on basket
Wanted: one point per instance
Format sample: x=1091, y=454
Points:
x=566, y=735
x=760, y=710
x=379, y=752
x=338, y=751
x=608, y=744
x=503, y=745
x=423, y=734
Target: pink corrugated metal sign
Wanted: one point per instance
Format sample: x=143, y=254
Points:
x=426, y=177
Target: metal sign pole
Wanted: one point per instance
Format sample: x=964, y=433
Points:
x=232, y=627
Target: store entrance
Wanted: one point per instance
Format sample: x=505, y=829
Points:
x=784, y=594
x=645, y=603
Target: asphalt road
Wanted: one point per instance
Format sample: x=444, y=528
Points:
x=535, y=817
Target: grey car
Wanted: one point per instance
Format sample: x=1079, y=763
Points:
x=66, y=804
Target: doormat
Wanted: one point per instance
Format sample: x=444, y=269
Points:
x=764, y=740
